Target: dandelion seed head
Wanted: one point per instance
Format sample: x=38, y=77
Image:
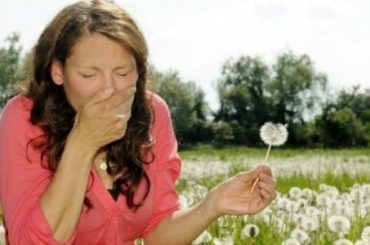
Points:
x=295, y=193
x=339, y=224
x=365, y=234
x=362, y=242
x=343, y=241
x=300, y=235
x=291, y=241
x=274, y=134
x=250, y=230
x=224, y=241
x=309, y=225
x=202, y=238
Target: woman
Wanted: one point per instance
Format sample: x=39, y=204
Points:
x=88, y=155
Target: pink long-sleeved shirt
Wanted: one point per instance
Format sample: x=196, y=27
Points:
x=109, y=222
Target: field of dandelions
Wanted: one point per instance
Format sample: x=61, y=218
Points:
x=323, y=196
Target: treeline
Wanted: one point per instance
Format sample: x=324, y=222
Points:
x=250, y=93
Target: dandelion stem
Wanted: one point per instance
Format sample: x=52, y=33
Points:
x=267, y=154
x=266, y=157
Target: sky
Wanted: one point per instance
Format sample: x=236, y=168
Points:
x=195, y=37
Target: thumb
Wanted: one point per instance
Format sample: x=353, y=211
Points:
x=98, y=97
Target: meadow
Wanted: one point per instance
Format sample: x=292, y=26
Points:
x=323, y=195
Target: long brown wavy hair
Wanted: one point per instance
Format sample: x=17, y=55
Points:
x=54, y=114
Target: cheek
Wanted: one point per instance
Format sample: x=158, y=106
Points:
x=78, y=90
x=126, y=82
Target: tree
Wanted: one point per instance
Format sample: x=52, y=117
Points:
x=187, y=105
x=241, y=90
x=9, y=65
x=296, y=88
x=345, y=120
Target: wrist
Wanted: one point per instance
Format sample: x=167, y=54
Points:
x=76, y=140
x=210, y=207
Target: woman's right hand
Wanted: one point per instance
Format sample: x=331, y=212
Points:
x=102, y=118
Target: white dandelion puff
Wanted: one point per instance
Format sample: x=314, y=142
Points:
x=203, y=238
x=224, y=241
x=339, y=224
x=343, y=242
x=365, y=234
x=291, y=241
x=250, y=230
x=295, y=193
x=362, y=242
x=300, y=235
x=309, y=224
x=274, y=134
x=2, y=234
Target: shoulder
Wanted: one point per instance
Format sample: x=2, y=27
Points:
x=159, y=106
x=18, y=106
x=16, y=115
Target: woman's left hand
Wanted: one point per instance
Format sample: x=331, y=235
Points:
x=234, y=196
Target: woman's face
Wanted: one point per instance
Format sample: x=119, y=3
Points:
x=96, y=62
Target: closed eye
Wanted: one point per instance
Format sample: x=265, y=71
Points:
x=122, y=74
x=87, y=75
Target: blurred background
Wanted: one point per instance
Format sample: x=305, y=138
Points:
x=226, y=67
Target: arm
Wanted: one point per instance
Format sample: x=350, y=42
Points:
x=41, y=208
x=230, y=197
x=62, y=202
x=233, y=196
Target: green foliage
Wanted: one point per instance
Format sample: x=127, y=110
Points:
x=251, y=93
x=9, y=64
x=187, y=105
x=241, y=91
x=345, y=121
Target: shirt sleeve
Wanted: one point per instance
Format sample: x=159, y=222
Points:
x=168, y=165
x=22, y=178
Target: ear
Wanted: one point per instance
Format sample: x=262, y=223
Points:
x=56, y=71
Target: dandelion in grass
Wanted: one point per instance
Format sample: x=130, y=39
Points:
x=300, y=235
x=291, y=241
x=250, y=230
x=362, y=242
x=343, y=242
x=2, y=234
x=295, y=193
x=224, y=241
x=309, y=224
x=339, y=224
x=365, y=234
x=202, y=238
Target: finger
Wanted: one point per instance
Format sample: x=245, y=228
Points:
x=267, y=189
x=266, y=178
x=249, y=176
x=266, y=196
x=98, y=97
x=126, y=106
x=122, y=96
x=263, y=168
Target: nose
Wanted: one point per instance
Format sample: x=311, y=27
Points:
x=108, y=81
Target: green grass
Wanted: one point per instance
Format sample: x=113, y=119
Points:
x=237, y=151
x=232, y=225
